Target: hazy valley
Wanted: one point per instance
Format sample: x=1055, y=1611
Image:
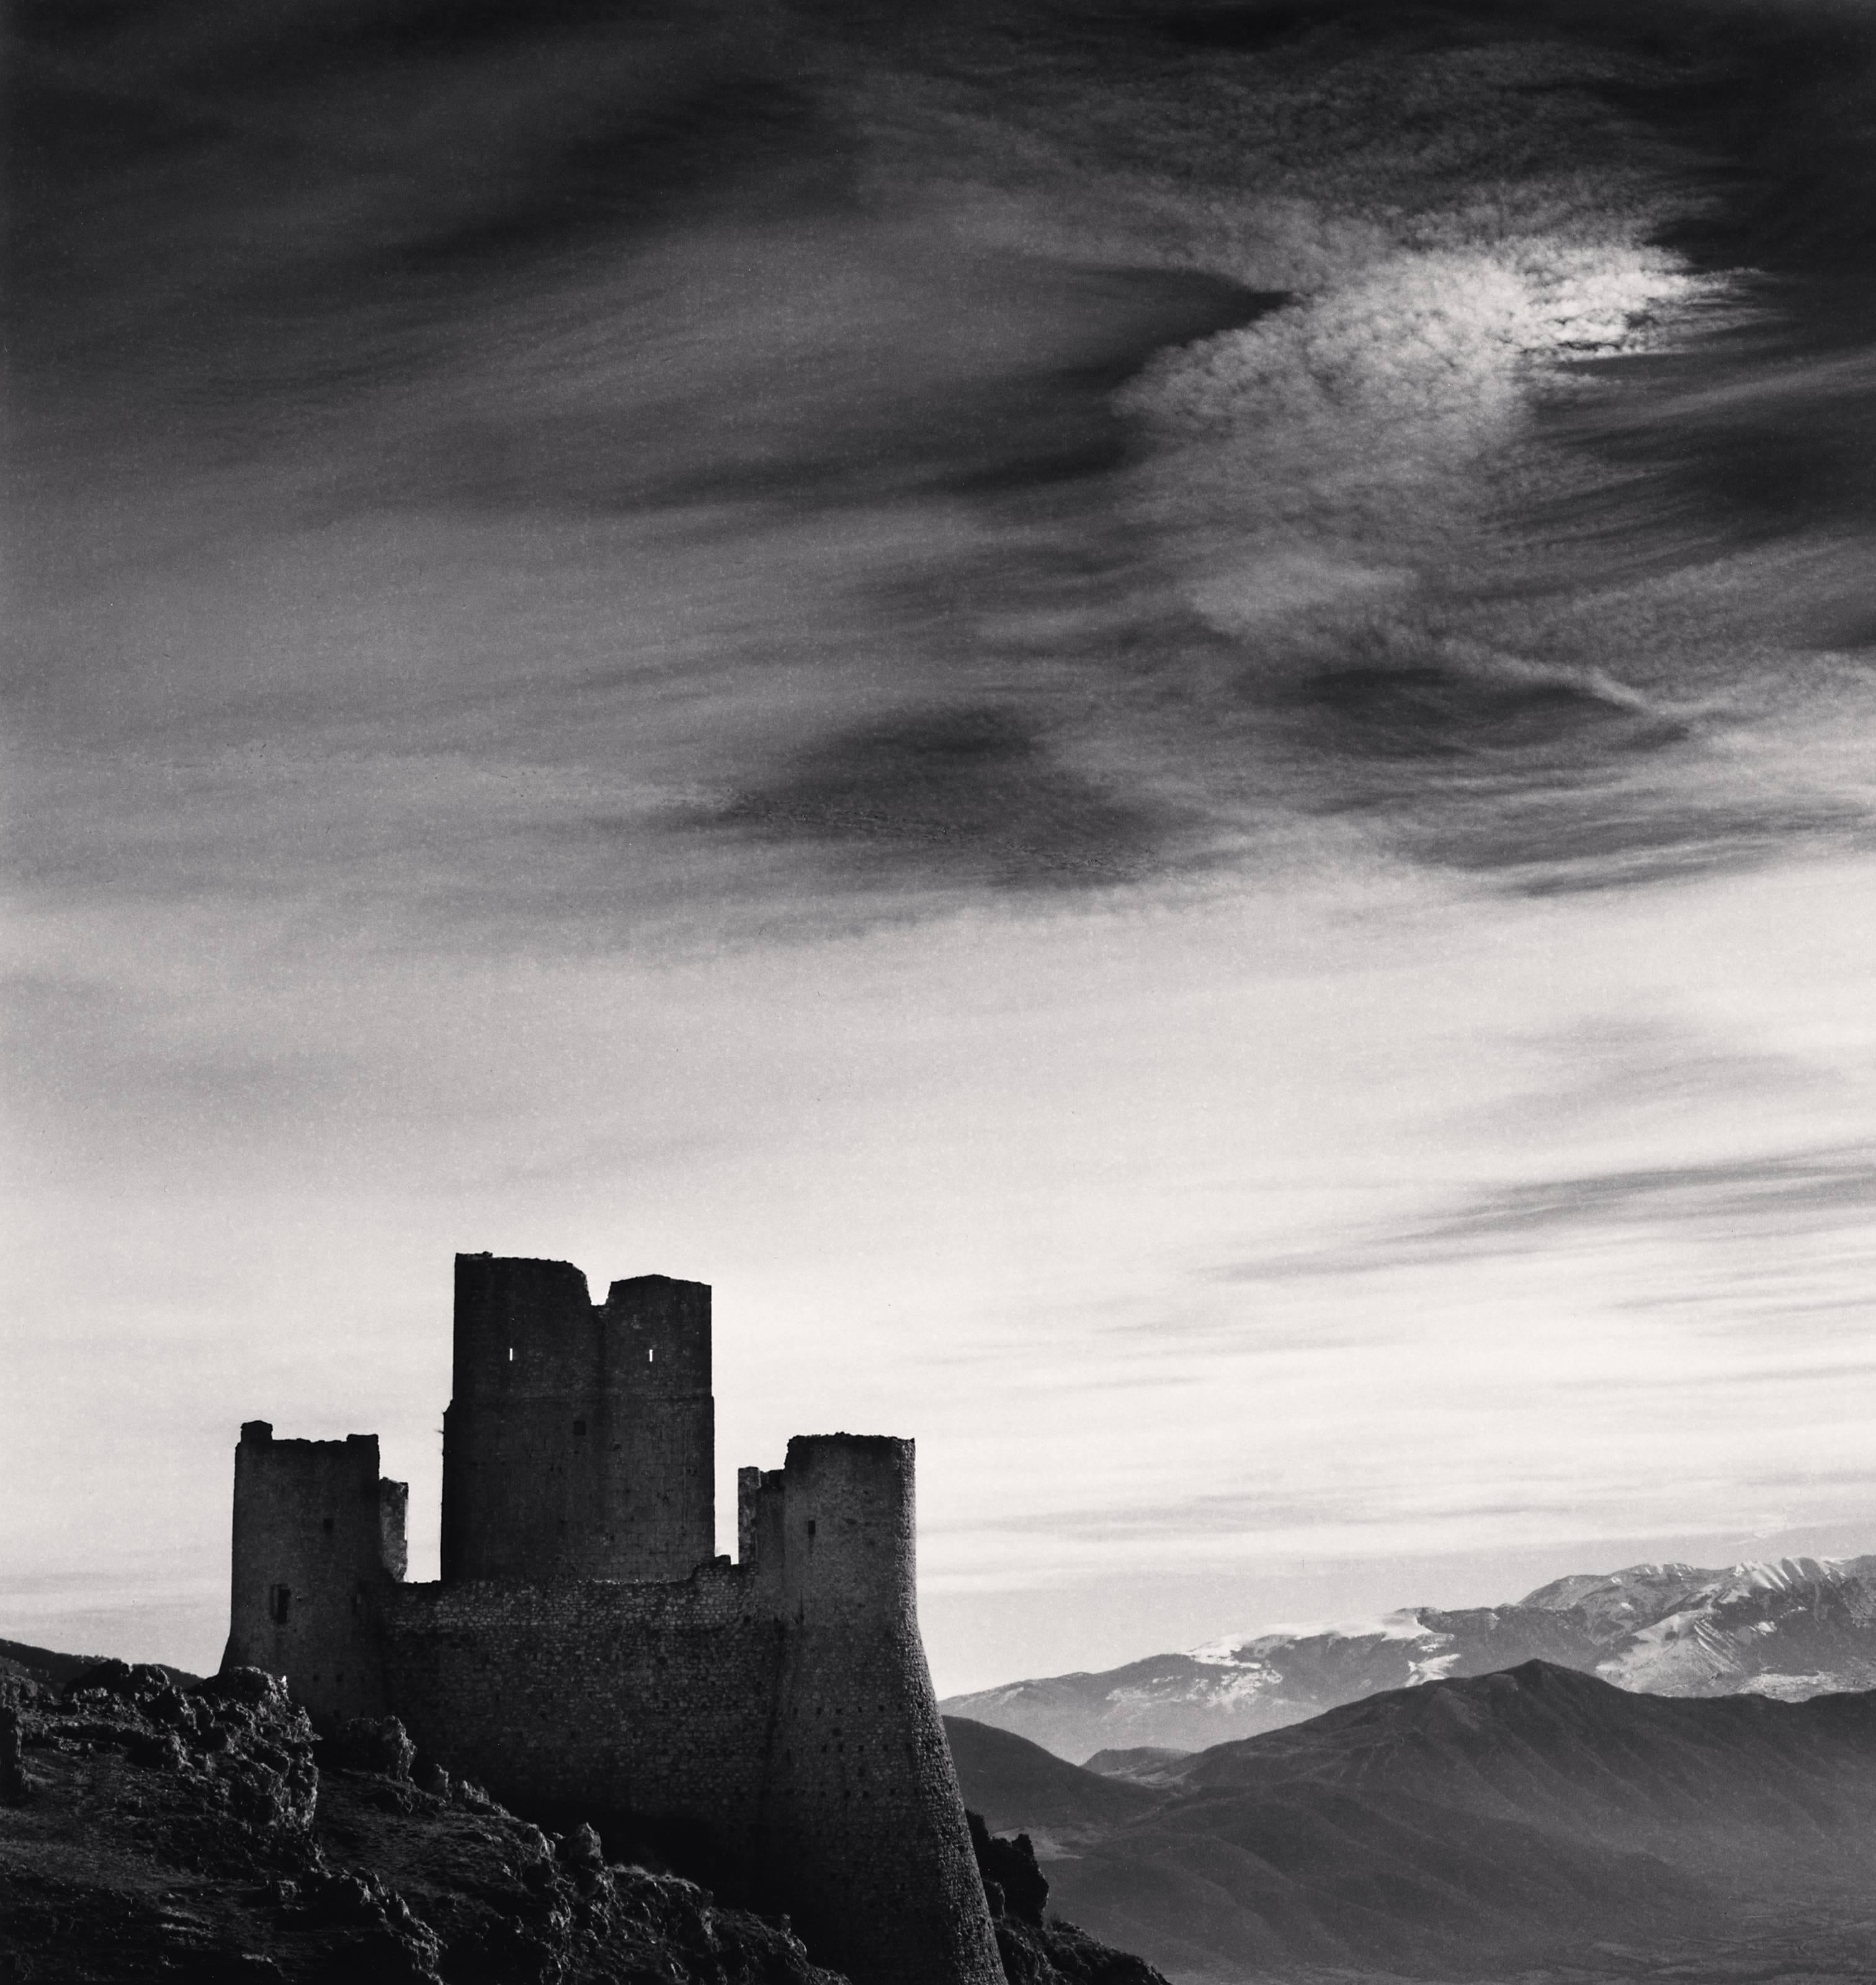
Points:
x=1536, y=1824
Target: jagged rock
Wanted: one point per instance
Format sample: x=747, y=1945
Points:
x=1013, y=1884
x=240, y=1740
x=377, y=1743
x=466, y=1792
x=1058, y=1954
x=173, y=1709
x=131, y=1681
x=1037, y=1951
x=255, y=1687
x=157, y=1750
x=386, y=1939
x=581, y=1849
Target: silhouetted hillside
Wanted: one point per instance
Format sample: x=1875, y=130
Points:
x=1738, y=1782
x=26, y=1663
x=1536, y=1817
x=1143, y=1764
x=1017, y=1784
x=202, y=1834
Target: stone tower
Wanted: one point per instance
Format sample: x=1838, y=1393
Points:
x=863, y=1823
x=318, y=1534
x=579, y=1441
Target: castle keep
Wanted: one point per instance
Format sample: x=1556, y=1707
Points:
x=586, y=1655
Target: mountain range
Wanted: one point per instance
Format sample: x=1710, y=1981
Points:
x=1792, y=1629
x=1537, y=1823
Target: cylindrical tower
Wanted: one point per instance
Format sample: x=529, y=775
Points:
x=865, y=1823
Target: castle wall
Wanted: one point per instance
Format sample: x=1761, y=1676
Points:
x=579, y=1441
x=318, y=1535
x=599, y=1700
x=774, y=1717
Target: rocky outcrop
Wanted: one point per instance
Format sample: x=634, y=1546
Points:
x=1013, y=1883
x=205, y=1834
x=1036, y=1949
x=379, y=1744
x=1058, y=1954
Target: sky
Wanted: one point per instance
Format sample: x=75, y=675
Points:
x=1156, y=722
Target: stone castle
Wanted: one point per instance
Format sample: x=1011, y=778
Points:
x=769, y=1723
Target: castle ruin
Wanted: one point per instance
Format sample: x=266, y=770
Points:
x=770, y=1721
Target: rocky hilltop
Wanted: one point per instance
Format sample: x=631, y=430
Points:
x=1792, y=1629
x=156, y=1827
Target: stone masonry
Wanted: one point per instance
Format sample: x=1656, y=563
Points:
x=769, y=1723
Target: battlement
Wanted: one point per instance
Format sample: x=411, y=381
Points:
x=833, y=1526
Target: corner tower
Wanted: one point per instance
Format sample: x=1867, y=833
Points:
x=864, y=1823
x=318, y=1532
x=579, y=1441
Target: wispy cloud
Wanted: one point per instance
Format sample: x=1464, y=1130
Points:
x=972, y=790
x=1781, y=1190
x=1735, y=1197
x=740, y=447
x=949, y=669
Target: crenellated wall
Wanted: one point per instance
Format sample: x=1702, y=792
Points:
x=769, y=1723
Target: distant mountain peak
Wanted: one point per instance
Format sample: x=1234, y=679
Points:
x=1404, y=1623
x=1789, y=1628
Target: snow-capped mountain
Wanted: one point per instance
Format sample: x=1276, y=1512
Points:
x=1794, y=1628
